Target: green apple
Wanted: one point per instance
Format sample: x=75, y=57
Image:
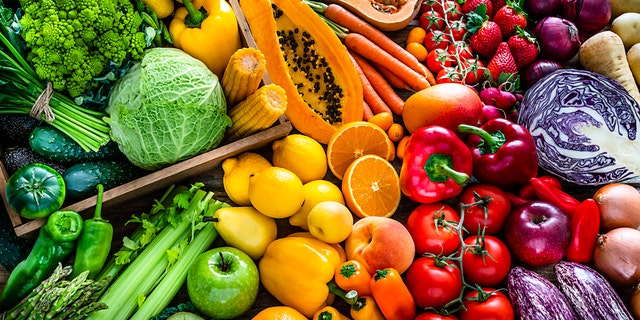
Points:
x=222, y=283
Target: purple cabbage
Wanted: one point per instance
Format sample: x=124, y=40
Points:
x=585, y=127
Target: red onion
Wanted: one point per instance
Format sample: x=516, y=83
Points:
x=559, y=38
x=589, y=16
x=536, y=70
x=539, y=9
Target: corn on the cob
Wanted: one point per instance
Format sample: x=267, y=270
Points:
x=257, y=112
x=243, y=74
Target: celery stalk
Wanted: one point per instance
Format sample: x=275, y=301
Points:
x=123, y=291
x=164, y=292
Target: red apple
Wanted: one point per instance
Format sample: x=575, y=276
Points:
x=537, y=233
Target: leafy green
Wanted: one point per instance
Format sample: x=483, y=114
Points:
x=167, y=108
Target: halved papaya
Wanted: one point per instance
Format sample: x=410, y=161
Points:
x=306, y=58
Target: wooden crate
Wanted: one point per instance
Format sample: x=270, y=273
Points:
x=161, y=179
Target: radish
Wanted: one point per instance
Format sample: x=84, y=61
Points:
x=499, y=98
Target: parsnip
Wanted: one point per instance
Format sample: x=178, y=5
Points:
x=633, y=57
x=627, y=26
x=604, y=53
x=619, y=7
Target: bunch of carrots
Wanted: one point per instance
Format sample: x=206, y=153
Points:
x=383, y=65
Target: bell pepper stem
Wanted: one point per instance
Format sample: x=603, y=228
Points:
x=492, y=142
x=439, y=169
x=195, y=17
x=350, y=297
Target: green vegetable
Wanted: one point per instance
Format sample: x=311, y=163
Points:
x=53, y=145
x=94, y=243
x=71, y=42
x=81, y=179
x=55, y=242
x=167, y=108
x=35, y=191
x=59, y=298
x=21, y=87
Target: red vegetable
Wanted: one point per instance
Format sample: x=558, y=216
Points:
x=536, y=71
x=548, y=193
x=433, y=228
x=527, y=191
x=495, y=96
x=539, y=9
x=585, y=225
x=590, y=16
x=433, y=282
x=486, y=303
x=486, y=208
x=486, y=261
x=559, y=38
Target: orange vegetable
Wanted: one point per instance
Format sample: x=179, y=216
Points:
x=384, y=120
x=351, y=275
x=371, y=97
x=402, y=144
x=380, y=85
x=366, y=111
x=395, y=132
x=388, y=15
x=392, y=295
x=366, y=309
x=329, y=313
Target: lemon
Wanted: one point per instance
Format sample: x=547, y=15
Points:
x=276, y=192
x=301, y=154
x=315, y=191
x=236, y=174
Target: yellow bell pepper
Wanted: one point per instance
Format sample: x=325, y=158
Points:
x=329, y=313
x=211, y=36
x=297, y=271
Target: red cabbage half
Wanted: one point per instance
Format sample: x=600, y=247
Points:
x=585, y=126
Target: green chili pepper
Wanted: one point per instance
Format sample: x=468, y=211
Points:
x=55, y=242
x=94, y=243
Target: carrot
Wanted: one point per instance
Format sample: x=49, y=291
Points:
x=355, y=24
x=604, y=53
x=372, y=98
x=381, y=85
x=367, y=49
x=391, y=77
x=367, y=113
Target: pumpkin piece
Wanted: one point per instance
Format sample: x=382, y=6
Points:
x=306, y=58
x=384, y=15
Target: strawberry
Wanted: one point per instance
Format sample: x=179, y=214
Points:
x=524, y=48
x=502, y=61
x=471, y=5
x=485, y=34
x=497, y=4
x=510, y=16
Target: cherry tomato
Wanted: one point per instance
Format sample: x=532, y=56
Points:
x=431, y=20
x=435, y=39
x=486, y=304
x=486, y=260
x=456, y=29
x=432, y=227
x=451, y=8
x=439, y=59
x=433, y=282
x=490, y=208
x=460, y=49
x=449, y=75
x=434, y=316
x=473, y=70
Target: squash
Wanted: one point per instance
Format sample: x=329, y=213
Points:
x=306, y=58
x=385, y=15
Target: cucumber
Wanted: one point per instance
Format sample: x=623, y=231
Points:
x=81, y=179
x=53, y=145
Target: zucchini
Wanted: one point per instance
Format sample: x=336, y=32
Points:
x=590, y=294
x=536, y=298
x=53, y=145
x=81, y=179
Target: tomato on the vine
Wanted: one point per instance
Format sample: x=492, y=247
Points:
x=486, y=304
x=456, y=29
x=433, y=282
x=435, y=316
x=433, y=228
x=436, y=39
x=449, y=75
x=473, y=70
x=490, y=208
x=486, y=260
x=451, y=8
x=439, y=59
x=460, y=49
x=431, y=20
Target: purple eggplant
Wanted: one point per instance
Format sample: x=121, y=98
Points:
x=590, y=294
x=536, y=298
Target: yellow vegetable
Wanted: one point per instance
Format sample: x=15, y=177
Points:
x=604, y=53
x=162, y=8
x=257, y=112
x=329, y=313
x=245, y=228
x=243, y=74
x=627, y=27
x=633, y=57
x=237, y=173
x=366, y=309
x=619, y=7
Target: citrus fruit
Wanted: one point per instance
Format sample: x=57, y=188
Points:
x=354, y=140
x=315, y=191
x=276, y=192
x=330, y=221
x=371, y=187
x=301, y=154
x=236, y=174
x=280, y=313
x=445, y=104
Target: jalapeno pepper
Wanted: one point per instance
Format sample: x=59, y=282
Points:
x=94, y=243
x=55, y=242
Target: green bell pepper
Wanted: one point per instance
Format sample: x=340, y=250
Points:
x=55, y=242
x=35, y=191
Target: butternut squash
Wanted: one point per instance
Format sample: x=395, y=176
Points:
x=385, y=15
x=306, y=58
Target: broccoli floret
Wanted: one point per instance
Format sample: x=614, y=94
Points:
x=73, y=41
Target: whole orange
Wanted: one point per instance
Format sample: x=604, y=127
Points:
x=446, y=104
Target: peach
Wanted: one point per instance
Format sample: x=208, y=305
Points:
x=380, y=242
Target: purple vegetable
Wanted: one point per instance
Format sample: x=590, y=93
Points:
x=497, y=97
x=536, y=298
x=585, y=126
x=590, y=294
x=536, y=70
x=590, y=16
x=559, y=38
x=539, y=9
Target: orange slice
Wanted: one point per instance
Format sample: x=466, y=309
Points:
x=371, y=187
x=356, y=139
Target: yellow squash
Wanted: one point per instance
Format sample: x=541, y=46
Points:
x=307, y=59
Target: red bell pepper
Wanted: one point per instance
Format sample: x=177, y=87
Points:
x=504, y=153
x=436, y=165
x=585, y=225
x=548, y=192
